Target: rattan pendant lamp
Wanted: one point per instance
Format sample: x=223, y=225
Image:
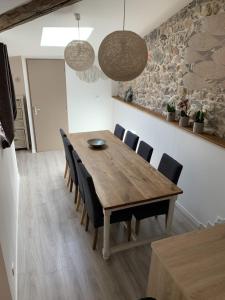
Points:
x=123, y=54
x=79, y=55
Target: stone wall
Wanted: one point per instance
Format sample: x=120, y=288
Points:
x=186, y=60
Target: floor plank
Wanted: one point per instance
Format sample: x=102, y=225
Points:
x=55, y=258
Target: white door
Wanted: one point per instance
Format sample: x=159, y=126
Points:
x=47, y=84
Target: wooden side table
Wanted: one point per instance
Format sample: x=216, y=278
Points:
x=190, y=266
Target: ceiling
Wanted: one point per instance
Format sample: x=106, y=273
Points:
x=104, y=16
x=9, y=4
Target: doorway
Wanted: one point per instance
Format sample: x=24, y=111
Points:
x=47, y=84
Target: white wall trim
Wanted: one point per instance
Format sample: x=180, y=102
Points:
x=188, y=215
x=29, y=106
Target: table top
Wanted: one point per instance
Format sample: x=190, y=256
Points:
x=120, y=175
x=196, y=262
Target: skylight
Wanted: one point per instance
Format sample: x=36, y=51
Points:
x=61, y=36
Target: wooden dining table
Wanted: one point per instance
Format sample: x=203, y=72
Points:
x=122, y=179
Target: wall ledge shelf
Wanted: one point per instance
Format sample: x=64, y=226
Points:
x=206, y=136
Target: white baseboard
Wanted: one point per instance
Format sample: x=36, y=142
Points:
x=189, y=216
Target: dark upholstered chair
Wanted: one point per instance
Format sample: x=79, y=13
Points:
x=119, y=131
x=73, y=179
x=62, y=132
x=94, y=208
x=63, y=135
x=131, y=140
x=81, y=197
x=145, y=151
x=172, y=170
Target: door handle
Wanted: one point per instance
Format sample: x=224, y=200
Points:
x=36, y=110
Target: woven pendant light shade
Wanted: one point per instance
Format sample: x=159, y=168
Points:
x=123, y=55
x=79, y=55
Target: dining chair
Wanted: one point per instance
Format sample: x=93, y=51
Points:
x=81, y=197
x=145, y=151
x=170, y=168
x=119, y=131
x=94, y=208
x=131, y=140
x=63, y=135
x=73, y=180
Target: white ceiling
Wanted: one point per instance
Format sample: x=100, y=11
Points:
x=9, y=4
x=104, y=16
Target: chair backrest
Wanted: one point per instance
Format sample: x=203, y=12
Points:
x=70, y=160
x=131, y=140
x=78, y=161
x=63, y=135
x=170, y=168
x=93, y=206
x=62, y=132
x=119, y=131
x=145, y=151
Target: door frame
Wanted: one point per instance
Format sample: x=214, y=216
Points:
x=29, y=100
x=29, y=104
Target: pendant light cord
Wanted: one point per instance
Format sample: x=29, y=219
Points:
x=77, y=17
x=124, y=14
x=78, y=29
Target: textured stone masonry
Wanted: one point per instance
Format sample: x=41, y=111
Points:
x=186, y=60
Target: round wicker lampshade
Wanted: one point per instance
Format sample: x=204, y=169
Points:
x=79, y=55
x=123, y=55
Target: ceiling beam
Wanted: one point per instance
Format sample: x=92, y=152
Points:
x=30, y=11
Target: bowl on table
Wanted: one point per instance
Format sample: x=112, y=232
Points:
x=96, y=143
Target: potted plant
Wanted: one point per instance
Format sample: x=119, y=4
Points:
x=184, y=117
x=129, y=94
x=171, y=112
x=199, y=121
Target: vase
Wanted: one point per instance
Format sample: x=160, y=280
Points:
x=184, y=121
x=198, y=127
x=170, y=117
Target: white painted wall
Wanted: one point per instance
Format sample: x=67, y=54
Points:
x=203, y=174
x=89, y=104
x=9, y=199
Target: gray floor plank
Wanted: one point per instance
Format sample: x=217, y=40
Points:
x=55, y=258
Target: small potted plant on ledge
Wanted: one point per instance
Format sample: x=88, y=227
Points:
x=129, y=94
x=184, y=117
x=199, y=121
x=171, y=112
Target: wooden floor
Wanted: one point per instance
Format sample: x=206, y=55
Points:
x=55, y=258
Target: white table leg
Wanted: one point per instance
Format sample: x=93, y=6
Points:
x=170, y=215
x=106, y=237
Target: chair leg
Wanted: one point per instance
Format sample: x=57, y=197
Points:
x=166, y=218
x=68, y=182
x=137, y=227
x=76, y=194
x=66, y=170
x=87, y=222
x=78, y=202
x=71, y=185
x=83, y=215
x=129, y=230
x=95, y=239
